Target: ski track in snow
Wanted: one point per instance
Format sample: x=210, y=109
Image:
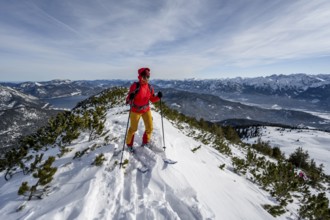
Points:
x=193, y=188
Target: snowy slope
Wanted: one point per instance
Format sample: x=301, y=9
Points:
x=194, y=188
x=288, y=140
x=20, y=115
x=10, y=98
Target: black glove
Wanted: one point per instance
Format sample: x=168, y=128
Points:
x=160, y=94
x=131, y=96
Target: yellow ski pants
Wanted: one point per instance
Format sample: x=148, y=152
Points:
x=134, y=122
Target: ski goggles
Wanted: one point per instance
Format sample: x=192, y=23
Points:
x=145, y=77
x=145, y=74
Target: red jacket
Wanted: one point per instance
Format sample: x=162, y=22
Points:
x=142, y=97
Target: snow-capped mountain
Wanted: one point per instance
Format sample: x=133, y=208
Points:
x=286, y=85
x=11, y=98
x=63, y=88
x=295, y=91
x=75, y=169
x=20, y=114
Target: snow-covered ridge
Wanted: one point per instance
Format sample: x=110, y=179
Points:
x=10, y=97
x=194, y=188
x=82, y=191
x=7, y=92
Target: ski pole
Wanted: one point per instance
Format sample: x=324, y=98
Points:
x=122, y=153
x=161, y=113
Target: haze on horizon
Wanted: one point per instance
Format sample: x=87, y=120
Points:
x=86, y=40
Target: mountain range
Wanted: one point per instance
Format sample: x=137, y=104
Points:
x=304, y=87
x=297, y=100
x=63, y=88
x=295, y=91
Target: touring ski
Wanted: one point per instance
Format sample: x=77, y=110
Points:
x=143, y=169
x=169, y=161
x=116, y=152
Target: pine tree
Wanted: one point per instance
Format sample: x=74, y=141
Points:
x=277, y=154
x=96, y=122
x=317, y=207
x=23, y=188
x=231, y=134
x=299, y=158
x=239, y=165
x=315, y=173
x=37, y=160
x=99, y=160
x=14, y=158
x=44, y=175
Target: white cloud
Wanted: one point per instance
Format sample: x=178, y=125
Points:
x=294, y=32
x=177, y=38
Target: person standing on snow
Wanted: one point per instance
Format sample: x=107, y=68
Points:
x=139, y=96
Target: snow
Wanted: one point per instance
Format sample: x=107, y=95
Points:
x=277, y=107
x=45, y=105
x=11, y=105
x=41, y=91
x=193, y=188
x=288, y=140
x=175, y=105
x=4, y=95
x=75, y=93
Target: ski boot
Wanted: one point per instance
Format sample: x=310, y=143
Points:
x=130, y=149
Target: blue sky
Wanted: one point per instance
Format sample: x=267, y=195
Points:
x=104, y=39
